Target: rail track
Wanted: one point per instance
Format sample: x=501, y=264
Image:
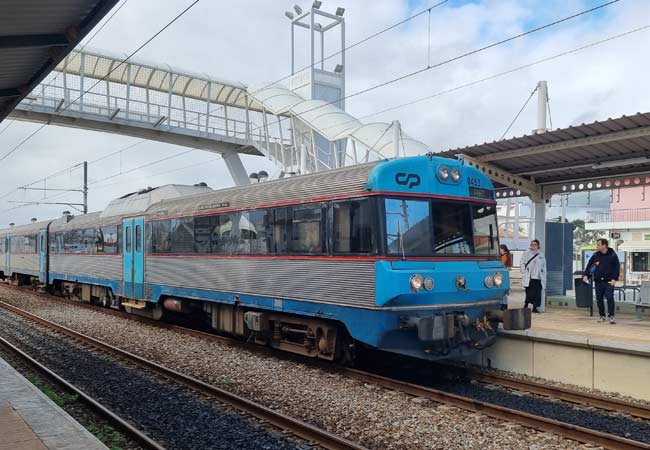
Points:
x=304, y=431
x=577, y=433
x=108, y=415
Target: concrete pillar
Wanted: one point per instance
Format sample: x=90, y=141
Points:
x=542, y=101
x=236, y=168
x=540, y=235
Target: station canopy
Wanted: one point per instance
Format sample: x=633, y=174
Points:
x=603, y=154
x=35, y=35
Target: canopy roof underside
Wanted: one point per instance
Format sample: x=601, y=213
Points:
x=607, y=148
x=35, y=35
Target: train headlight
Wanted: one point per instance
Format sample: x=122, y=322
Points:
x=416, y=282
x=455, y=175
x=498, y=279
x=428, y=283
x=443, y=173
x=489, y=281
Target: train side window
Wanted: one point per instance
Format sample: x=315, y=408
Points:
x=72, y=241
x=42, y=242
x=99, y=241
x=161, y=241
x=128, y=239
x=182, y=235
x=306, y=229
x=89, y=240
x=226, y=234
x=353, y=227
x=281, y=230
x=108, y=236
x=203, y=228
x=259, y=233
x=119, y=239
x=138, y=238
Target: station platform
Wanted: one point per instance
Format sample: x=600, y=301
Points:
x=567, y=345
x=29, y=420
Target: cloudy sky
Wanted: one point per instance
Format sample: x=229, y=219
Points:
x=248, y=41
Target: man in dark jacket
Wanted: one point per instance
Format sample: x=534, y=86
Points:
x=604, y=268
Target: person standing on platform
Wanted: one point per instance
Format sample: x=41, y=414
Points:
x=604, y=268
x=533, y=270
x=506, y=259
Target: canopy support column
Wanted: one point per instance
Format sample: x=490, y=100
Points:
x=540, y=235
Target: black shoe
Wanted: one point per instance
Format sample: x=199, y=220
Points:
x=535, y=310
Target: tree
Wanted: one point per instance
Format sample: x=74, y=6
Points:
x=581, y=236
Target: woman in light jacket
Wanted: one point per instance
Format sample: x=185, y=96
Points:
x=533, y=270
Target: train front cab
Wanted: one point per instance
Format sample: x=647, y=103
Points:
x=438, y=292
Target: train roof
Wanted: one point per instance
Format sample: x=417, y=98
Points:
x=129, y=205
x=303, y=188
x=25, y=230
x=179, y=200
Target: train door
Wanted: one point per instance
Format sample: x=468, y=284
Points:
x=42, y=256
x=7, y=256
x=133, y=254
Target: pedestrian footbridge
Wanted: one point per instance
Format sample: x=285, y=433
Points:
x=96, y=90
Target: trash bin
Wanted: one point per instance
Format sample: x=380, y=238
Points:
x=584, y=292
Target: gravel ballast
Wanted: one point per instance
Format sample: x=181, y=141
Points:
x=373, y=416
x=175, y=416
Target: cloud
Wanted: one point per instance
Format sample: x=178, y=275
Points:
x=248, y=41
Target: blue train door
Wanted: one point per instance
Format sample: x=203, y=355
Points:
x=7, y=251
x=133, y=254
x=42, y=252
x=7, y=256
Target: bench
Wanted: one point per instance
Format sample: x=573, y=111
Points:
x=643, y=302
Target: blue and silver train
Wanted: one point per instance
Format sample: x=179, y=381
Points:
x=398, y=255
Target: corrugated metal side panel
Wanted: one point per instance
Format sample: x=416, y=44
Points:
x=24, y=261
x=350, y=283
x=347, y=180
x=107, y=267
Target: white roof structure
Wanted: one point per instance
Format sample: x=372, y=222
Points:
x=138, y=202
x=100, y=64
x=332, y=122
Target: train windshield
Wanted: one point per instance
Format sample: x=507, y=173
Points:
x=435, y=228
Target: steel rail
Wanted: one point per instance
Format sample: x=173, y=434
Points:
x=297, y=427
x=565, y=394
x=575, y=432
x=100, y=409
x=570, y=431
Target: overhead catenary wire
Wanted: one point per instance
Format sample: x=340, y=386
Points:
x=129, y=56
x=474, y=82
x=338, y=52
x=440, y=93
x=351, y=46
x=497, y=75
x=455, y=58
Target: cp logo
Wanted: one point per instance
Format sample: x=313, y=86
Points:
x=408, y=179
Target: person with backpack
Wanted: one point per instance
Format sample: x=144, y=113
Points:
x=604, y=268
x=506, y=259
x=533, y=270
